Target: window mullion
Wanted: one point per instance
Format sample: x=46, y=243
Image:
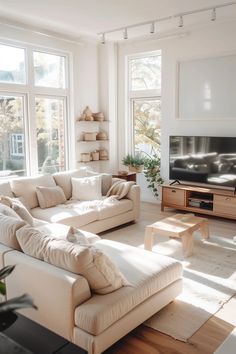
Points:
x=32, y=118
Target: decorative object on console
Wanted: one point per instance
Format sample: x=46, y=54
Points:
x=101, y=136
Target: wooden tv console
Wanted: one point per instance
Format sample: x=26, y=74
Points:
x=210, y=201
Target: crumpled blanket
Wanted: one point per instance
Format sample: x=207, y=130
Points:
x=90, y=204
x=120, y=189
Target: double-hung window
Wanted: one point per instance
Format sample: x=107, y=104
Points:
x=144, y=92
x=34, y=98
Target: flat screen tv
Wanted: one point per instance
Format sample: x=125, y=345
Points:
x=203, y=159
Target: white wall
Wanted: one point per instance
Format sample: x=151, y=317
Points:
x=212, y=39
x=83, y=69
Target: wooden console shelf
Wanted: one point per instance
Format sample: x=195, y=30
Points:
x=210, y=201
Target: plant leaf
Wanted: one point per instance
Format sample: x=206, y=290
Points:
x=5, y=271
x=2, y=288
x=17, y=303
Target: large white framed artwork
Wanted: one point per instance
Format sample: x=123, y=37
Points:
x=206, y=88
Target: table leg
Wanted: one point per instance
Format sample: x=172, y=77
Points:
x=187, y=244
x=148, y=238
x=205, y=229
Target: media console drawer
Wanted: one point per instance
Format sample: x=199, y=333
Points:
x=173, y=196
x=224, y=204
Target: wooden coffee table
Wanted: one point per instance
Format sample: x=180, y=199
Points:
x=177, y=226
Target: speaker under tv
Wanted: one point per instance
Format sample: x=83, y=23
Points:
x=203, y=159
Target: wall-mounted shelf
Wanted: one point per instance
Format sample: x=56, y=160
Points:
x=92, y=161
x=91, y=141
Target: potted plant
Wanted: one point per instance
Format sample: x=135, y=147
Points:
x=152, y=172
x=135, y=163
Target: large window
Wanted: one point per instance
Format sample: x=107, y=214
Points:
x=145, y=103
x=33, y=110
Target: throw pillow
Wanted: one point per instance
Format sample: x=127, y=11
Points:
x=120, y=189
x=18, y=208
x=7, y=211
x=8, y=229
x=76, y=236
x=87, y=188
x=50, y=196
x=101, y=273
x=106, y=180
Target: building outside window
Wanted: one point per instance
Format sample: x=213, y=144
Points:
x=144, y=72
x=34, y=97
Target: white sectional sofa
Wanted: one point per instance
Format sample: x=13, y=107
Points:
x=91, y=293
x=96, y=216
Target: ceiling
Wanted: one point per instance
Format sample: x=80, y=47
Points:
x=85, y=18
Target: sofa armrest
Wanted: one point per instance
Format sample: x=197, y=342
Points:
x=55, y=291
x=134, y=195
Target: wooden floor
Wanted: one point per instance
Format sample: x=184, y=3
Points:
x=144, y=340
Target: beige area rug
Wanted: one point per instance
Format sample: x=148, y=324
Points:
x=209, y=277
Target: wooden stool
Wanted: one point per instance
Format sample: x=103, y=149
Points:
x=180, y=226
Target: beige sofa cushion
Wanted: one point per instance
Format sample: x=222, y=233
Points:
x=9, y=226
x=101, y=273
x=106, y=180
x=50, y=196
x=87, y=188
x=26, y=187
x=113, y=207
x=145, y=271
x=71, y=214
x=63, y=179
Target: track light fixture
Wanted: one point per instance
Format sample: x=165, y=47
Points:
x=103, y=40
x=125, y=33
x=167, y=18
x=152, y=27
x=181, y=21
x=213, y=14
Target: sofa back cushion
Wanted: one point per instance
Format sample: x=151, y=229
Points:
x=50, y=196
x=26, y=187
x=63, y=179
x=87, y=188
x=106, y=180
x=9, y=226
x=102, y=275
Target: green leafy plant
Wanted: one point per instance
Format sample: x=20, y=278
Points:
x=133, y=160
x=152, y=173
x=15, y=303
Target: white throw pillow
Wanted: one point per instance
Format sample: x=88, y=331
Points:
x=87, y=188
x=106, y=180
x=50, y=196
x=9, y=226
x=101, y=273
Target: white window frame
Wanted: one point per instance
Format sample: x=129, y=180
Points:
x=132, y=95
x=15, y=144
x=29, y=91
